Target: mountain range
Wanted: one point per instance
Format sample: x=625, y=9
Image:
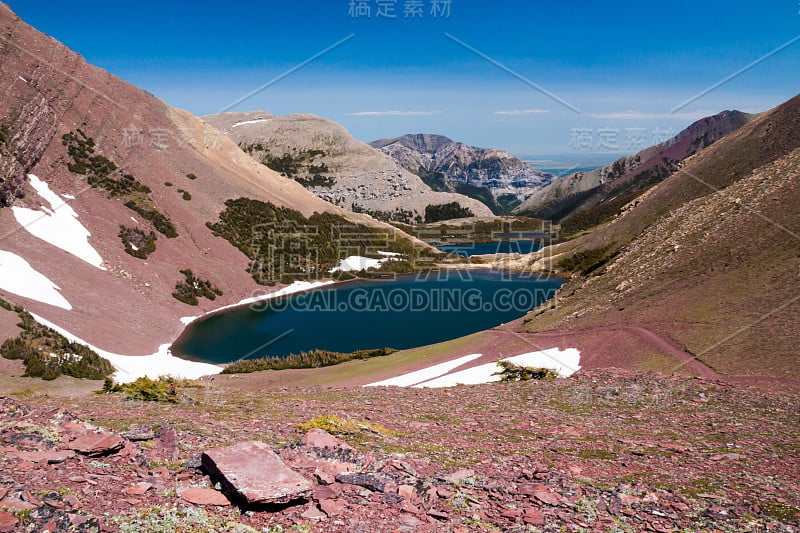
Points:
x=584, y=199
x=326, y=159
x=492, y=176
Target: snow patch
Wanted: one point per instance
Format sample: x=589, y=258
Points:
x=565, y=362
x=297, y=286
x=67, y=196
x=250, y=122
x=17, y=276
x=357, y=263
x=426, y=374
x=131, y=367
x=57, y=225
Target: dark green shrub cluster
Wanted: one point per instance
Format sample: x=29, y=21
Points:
x=137, y=242
x=587, y=261
x=312, y=359
x=479, y=231
x=5, y=305
x=191, y=176
x=316, y=180
x=102, y=173
x=299, y=166
x=512, y=372
x=5, y=134
x=185, y=194
x=401, y=215
x=147, y=210
x=47, y=354
x=285, y=246
x=191, y=288
x=437, y=213
x=145, y=389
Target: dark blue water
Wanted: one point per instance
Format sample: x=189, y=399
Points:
x=406, y=312
x=504, y=247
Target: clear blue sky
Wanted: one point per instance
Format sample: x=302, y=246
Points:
x=622, y=64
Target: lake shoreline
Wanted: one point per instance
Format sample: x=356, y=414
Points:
x=406, y=278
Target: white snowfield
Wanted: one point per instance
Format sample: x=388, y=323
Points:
x=17, y=276
x=357, y=262
x=565, y=362
x=131, y=367
x=297, y=286
x=163, y=363
x=426, y=374
x=249, y=122
x=57, y=225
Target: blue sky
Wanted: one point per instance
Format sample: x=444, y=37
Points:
x=624, y=65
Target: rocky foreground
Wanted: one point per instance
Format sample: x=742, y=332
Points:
x=600, y=452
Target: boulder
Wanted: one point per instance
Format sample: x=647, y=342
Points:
x=97, y=444
x=253, y=473
x=318, y=438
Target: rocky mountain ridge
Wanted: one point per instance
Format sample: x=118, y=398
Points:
x=496, y=177
x=326, y=159
x=619, y=182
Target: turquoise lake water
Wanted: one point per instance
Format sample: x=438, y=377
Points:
x=405, y=312
x=504, y=247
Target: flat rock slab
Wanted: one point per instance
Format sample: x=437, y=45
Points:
x=49, y=457
x=253, y=473
x=201, y=496
x=97, y=444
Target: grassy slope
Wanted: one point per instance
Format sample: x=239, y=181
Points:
x=696, y=266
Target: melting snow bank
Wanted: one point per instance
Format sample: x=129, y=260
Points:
x=297, y=286
x=131, y=367
x=412, y=378
x=357, y=263
x=17, y=276
x=57, y=225
x=565, y=362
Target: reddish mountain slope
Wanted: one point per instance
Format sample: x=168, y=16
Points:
x=47, y=91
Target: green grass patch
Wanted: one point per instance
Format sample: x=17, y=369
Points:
x=165, y=389
x=344, y=426
x=597, y=453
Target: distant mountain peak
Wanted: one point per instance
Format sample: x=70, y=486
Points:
x=493, y=176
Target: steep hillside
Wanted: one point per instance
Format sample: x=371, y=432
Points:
x=584, y=199
x=707, y=260
x=493, y=176
x=112, y=194
x=325, y=158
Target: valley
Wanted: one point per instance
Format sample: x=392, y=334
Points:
x=226, y=319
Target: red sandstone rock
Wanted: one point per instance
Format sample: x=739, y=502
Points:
x=251, y=471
